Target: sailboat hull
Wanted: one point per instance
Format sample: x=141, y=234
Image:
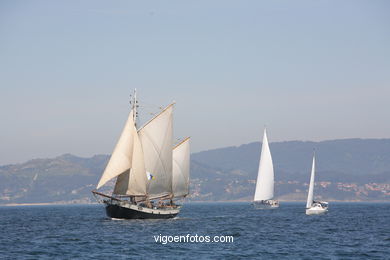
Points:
x=137, y=212
x=266, y=204
x=317, y=208
x=316, y=211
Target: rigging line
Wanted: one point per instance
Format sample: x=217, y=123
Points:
x=165, y=109
x=184, y=140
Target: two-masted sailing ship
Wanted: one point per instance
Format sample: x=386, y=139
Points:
x=314, y=207
x=264, y=192
x=151, y=174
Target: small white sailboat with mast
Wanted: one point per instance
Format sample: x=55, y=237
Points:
x=151, y=174
x=314, y=207
x=264, y=193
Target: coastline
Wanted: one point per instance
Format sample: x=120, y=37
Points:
x=190, y=202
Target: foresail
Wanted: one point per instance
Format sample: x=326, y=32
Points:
x=133, y=181
x=121, y=157
x=122, y=183
x=265, y=177
x=181, y=168
x=310, y=195
x=156, y=141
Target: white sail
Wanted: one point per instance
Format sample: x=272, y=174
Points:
x=265, y=177
x=181, y=168
x=156, y=140
x=134, y=181
x=121, y=157
x=311, y=185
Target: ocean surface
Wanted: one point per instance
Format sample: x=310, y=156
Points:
x=348, y=231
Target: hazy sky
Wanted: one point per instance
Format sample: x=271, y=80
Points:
x=309, y=70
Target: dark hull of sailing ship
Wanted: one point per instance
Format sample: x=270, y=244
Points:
x=115, y=211
x=124, y=209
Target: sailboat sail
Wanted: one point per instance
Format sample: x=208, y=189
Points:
x=310, y=195
x=265, y=177
x=181, y=168
x=122, y=155
x=133, y=181
x=156, y=140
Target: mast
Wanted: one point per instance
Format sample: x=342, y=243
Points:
x=134, y=106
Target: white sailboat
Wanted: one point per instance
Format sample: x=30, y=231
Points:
x=314, y=207
x=151, y=174
x=264, y=193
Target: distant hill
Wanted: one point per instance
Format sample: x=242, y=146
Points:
x=355, y=157
x=357, y=161
x=63, y=178
x=349, y=169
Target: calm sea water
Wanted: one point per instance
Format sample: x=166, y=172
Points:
x=348, y=231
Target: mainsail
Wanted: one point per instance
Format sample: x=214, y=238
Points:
x=156, y=140
x=181, y=168
x=265, y=177
x=310, y=195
